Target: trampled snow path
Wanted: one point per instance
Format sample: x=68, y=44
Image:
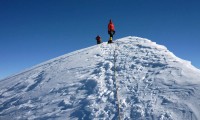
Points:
x=148, y=82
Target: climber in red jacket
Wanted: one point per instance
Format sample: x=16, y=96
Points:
x=111, y=31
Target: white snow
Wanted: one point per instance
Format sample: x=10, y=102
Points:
x=132, y=79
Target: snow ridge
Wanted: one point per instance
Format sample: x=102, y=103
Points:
x=134, y=78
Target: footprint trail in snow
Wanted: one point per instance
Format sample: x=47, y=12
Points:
x=131, y=79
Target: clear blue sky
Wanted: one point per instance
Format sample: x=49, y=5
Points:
x=33, y=31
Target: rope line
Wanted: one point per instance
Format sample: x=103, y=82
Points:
x=116, y=85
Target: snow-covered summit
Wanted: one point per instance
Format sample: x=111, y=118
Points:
x=132, y=79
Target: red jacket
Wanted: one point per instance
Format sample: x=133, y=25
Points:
x=111, y=26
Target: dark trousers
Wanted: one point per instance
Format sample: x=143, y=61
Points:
x=111, y=33
x=98, y=41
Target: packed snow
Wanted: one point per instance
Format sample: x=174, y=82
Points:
x=131, y=79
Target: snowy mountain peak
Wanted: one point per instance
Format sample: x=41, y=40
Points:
x=133, y=78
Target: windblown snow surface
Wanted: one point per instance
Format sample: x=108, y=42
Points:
x=131, y=79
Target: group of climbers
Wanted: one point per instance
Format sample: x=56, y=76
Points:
x=111, y=32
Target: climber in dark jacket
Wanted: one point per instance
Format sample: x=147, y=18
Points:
x=98, y=38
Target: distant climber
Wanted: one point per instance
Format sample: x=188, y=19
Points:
x=111, y=31
x=98, y=38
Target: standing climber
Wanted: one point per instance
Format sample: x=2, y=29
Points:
x=111, y=31
x=98, y=38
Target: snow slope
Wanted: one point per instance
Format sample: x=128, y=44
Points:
x=132, y=79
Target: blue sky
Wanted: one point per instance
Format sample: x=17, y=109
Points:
x=33, y=31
